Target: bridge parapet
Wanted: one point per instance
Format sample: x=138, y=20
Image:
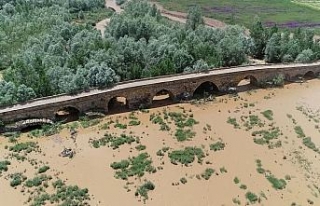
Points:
x=141, y=93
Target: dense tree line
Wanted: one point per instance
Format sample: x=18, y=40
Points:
x=44, y=52
x=276, y=46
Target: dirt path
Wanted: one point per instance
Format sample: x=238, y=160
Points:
x=172, y=15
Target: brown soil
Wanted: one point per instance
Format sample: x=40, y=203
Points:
x=90, y=167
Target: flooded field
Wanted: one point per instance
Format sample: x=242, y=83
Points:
x=259, y=147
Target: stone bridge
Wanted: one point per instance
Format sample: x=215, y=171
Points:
x=142, y=92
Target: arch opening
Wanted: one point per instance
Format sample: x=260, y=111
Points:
x=206, y=89
x=247, y=83
x=163, y=97
x=117, y=104
x=309, y=75
x=67, y=114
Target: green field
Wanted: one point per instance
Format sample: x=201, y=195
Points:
x=310, y=3
x=283, y=12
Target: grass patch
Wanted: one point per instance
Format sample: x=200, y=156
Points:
x=207, y=173
x=135, y=166
x=17, y=179
x=144, y=189
x=37, y=181
x=267, y=135
x=27, y=147
x=186, y=156
x=184, y=134
x=114, y=141
x=134, y=123
x=140, y=147
x=233, y=121
x=120, y=126
x=311, y=145
x=251, y=197
x=299, y=131
x=268, y=114
x=217, y=146
x=85, y=122
x=4, y=165
x=276, y=183
x=243, y=12
x=43, y=169
x=162, y=151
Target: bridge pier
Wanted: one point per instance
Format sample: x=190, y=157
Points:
x=139, y=102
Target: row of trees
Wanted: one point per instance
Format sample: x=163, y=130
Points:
x=50, y=54
x=277, y=46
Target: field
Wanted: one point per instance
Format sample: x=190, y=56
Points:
x=310, y=3
x=285, y=13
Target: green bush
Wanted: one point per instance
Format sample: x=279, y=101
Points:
x=43, y=169
x=17, y=179
x=183, y=180
x=4, y=166
x=186, y=156
x=278, y=184
x=135, y=166
x=207, y=173
x=299, y=132
x=144, y=189
x=251, y=197
x=183, y=135
x=217, y=146
x=268, y=114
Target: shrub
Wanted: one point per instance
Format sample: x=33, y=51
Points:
x=186, y=156
x=144, y=189
x=306, y=56
x=183, y=180
x=233, y=121
x=244, y=187
x=4, y=165
x=140, y=147
x=43, y=169
x=207, y=173
x=299, y=131
x=217, y=146
x=251, y=197
x=183, y=135
x=236, y=180
x=17, y=179
x=135, y=166
x=308, y=143
x=278, y=184
x=268, y=114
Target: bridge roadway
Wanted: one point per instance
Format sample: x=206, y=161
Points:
x=232, y=72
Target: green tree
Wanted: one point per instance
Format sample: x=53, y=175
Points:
x=194, y=18
x=259, y=38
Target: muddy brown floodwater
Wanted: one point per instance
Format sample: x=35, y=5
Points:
x=285, y=157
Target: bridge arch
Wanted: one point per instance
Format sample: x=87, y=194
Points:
x=249, y=79
x=67, y=114
x=309, y=75
x=29, y=124
x=204, y=89
x=117, y=102
x=163, y=94
x=162, y=97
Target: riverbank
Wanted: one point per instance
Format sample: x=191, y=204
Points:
x=244, y=164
